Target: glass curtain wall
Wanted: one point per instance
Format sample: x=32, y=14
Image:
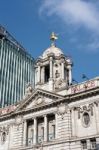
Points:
x=16, y=70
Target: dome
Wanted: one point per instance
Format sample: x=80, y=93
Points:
x=56, y=51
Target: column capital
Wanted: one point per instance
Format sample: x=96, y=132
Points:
x=69, y=67
x=34, y=118
x=45, y=115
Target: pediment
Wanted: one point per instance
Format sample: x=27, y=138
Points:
x=38, y=98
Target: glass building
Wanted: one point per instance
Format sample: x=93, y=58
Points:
x=16, y=69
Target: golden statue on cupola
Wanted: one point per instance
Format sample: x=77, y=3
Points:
x=53, y=38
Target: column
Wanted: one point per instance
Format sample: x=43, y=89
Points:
x=62, y=69
x=97, y=143
x=39, y=73
x=96, y=106
x=25, y=133
x=56, y=126
x=45, y=129
x=51, y=67
x=35, y=131
x=73, y=123
x=70, y=74
x=88, y=144
x=42, y=74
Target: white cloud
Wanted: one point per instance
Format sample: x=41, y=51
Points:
x=81, y=12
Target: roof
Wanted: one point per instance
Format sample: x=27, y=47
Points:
x=52, y=50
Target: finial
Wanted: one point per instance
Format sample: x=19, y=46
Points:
x=53, y=38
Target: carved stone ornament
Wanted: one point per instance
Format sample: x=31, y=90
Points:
x=28, y=90
x=5, y=129
x=86, y=119
x=58, y=83
x=39, y=100
x=18, y=120
x=62, y=109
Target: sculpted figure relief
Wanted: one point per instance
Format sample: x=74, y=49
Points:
x=28, y=90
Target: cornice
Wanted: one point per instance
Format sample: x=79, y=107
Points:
x=67, y=99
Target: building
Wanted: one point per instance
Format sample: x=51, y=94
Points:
x=16, y=69
x=56, y=115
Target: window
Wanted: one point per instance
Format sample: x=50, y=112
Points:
x=3, y=137
x=53, y=126
x=47, y=73
x=86, y=119
x=93, y=143
x=84, y=144
x=30, y=132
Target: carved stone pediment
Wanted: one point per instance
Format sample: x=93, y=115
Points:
x=37, y=99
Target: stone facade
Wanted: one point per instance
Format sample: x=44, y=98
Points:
x=56, y=115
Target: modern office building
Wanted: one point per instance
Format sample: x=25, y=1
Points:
x=56, y=114
x=16, y=69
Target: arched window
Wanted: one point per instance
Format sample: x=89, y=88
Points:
x=86, y=119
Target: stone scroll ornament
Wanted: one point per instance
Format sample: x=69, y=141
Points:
x=62, y=109
x=18, y=120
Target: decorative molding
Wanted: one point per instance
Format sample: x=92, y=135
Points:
x=18, y=120
x=5, y=129
x=85, y=121
x=39, y=100
x=62, y=109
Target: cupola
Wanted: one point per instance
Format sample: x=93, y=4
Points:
x=53, y=68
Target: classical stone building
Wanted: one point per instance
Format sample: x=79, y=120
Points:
x=56, y=115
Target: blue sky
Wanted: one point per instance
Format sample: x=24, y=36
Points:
x=75, y=21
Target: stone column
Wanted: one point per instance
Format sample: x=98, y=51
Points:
x=73, y=123
x=70, y=74
x=56, y=126
x=96, y=106
x=88, y=144
x=35, y=131
x=51, y=67
x=97, y=143
x=25, y=133
x=62, y=73
x=42, y=74
x=39, y=73
x=45, y=129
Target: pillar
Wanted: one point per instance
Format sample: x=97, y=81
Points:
x=88, y=144
x=25, y=133
x=45, y=128
x=42, y=74
x=39, y=73
x=51, y=67
x=96, y=106
x=70, y=74
x=35, y=131
x=56, y=125
x=97, y=143
x=62, y=64
x=73, y=123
